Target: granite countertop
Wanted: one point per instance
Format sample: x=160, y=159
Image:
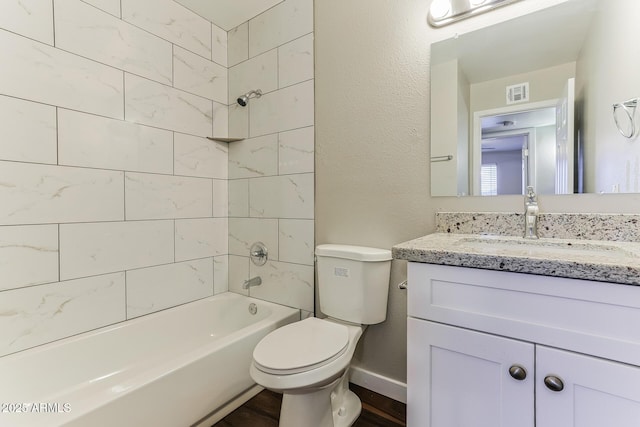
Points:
x=605, y=261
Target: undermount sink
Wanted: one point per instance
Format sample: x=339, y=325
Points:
x=544, y=247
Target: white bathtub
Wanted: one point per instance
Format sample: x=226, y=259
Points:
x=172, y=368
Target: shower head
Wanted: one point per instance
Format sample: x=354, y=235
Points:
x=247, y=96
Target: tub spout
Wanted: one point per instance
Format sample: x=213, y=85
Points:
x=254, y=281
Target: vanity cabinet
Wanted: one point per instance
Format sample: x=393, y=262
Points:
x=490, y=348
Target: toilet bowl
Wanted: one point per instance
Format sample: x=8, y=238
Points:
x=308, y=361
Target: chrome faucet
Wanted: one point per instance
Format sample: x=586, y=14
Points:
x=530, y=214
x=254, y=281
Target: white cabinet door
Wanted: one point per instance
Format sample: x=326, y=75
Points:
x=596, y=393
x=460, y=378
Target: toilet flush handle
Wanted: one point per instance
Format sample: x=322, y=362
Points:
x=403, y=285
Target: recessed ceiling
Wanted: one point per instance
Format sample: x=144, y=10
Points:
x=228, y=14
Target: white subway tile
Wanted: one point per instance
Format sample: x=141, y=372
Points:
x=38, y=72
x=218, y=45
x=280, y=24
x=33, y=194
x=201, y=238
x=196, y=156
x=296, y=241
x=197, y=75
x=254, y=157
x=239, y=198
x=244, y=232
x=238, y=44
x=171, y=21
x=28, y=255
x=109, y=6
x=287, y=196
x=296, y=151
x=150, y=196
x=29, y=131
x=220, y=274
x=97, y=248
x=286, y=284
x=40, y=314
x=30, y=18
x=92, y=33
x=260, y=72
x=98, y=142
x=156, y=288
x=220, y=198
x=153, y=104
x=238, y=273
x=295, y=61
x=284, y=109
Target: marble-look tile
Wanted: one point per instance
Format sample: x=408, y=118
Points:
x=285, y=109
x=239, y=120
x=244, y=232
x=98, y=142
x=109, y=6
x=28, y=131
x=195, y=156
x=80, y=28
x=239, y=198
x=238, y=44
x=218, y=45
x=38, y=72
x=280, y=24
x=30, y=18
x=105, y=247
x=284, y=283
x=296, y=240
x=195, y=74
x=295, y=61
x=260, y=72
x=296, y=151
x=238, y=273
x=40, y=314
x=221, y=120
x=36, y=194
x=157, y=288
x=220, y=274
x=287, y=196
x=153, y=104
x=220, y=198
x=201, y=238
x=28, y=255
x=172, y=22
x=254, y=157
x=149, y=196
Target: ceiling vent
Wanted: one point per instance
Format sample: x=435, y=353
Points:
x=518, y=93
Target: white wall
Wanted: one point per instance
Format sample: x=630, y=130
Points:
x=271, y=187
x=112, y=204
x=509, y=170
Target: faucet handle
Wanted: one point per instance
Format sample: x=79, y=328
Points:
x=531, y=195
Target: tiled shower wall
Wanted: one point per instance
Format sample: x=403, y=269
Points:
x=271, y=173
x=112, y=204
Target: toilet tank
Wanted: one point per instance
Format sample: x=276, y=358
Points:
x=353, y=282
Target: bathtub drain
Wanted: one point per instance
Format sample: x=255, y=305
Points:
x=253, y=309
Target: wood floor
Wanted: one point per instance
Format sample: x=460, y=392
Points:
x=264, y=409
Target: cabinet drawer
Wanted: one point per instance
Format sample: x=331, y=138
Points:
x=596, y=318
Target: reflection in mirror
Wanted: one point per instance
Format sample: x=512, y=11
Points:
x=529, y=102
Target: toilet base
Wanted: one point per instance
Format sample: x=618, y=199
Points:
x=332, y=405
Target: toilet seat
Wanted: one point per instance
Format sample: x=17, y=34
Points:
x=301, y=346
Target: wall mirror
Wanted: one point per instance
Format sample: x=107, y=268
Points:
x=529, y=101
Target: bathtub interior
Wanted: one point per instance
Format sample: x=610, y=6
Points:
x=95, y=367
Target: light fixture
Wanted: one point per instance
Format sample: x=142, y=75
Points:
x=444, y=12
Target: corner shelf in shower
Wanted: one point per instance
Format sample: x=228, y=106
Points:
x=221, y=139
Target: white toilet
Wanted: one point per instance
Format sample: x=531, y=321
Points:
x=308, y=361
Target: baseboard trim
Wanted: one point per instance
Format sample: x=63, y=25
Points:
x=385, y=386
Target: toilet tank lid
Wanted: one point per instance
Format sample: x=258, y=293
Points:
x=357, y=253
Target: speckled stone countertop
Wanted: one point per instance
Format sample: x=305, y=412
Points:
x=492, y=242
